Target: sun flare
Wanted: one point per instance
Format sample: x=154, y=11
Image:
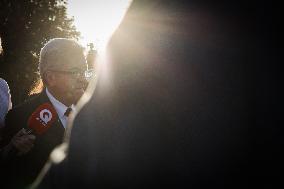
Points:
x=97, y=19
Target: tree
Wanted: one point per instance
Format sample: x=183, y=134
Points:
x=25, y=26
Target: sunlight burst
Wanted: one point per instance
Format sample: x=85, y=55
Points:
x=97, y=19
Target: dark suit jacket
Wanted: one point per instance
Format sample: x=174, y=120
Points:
x=23, y=170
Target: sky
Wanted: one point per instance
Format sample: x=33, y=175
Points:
x=96, y=19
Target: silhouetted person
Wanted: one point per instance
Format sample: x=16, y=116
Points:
x=91, y=57
x=173, y=107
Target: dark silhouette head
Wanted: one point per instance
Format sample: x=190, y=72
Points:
x=172, y=106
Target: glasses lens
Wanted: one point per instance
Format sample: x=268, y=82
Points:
x=89, y=73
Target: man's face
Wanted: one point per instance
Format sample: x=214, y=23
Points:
x=69, y=81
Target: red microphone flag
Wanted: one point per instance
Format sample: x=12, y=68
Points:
x=42, y=118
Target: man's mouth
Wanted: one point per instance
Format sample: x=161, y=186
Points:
x=80, y=88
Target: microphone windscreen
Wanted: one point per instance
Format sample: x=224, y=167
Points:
x=42, y=118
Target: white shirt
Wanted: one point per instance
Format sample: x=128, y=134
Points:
x=60, y=108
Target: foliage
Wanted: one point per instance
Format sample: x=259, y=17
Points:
x=25, y=26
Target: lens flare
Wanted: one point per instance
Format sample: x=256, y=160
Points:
x=97, y=19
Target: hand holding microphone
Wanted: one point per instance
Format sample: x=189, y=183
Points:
x=38, y=123
x=23, y=141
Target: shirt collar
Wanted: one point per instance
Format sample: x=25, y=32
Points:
x=59, y=107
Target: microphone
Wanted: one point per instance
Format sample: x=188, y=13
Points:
x=38, y=123
x=41, y=119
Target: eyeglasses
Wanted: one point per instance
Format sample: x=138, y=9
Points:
x=88, y=74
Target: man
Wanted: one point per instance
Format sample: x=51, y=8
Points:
x=62, y=67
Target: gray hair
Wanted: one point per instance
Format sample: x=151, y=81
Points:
x=56, y=52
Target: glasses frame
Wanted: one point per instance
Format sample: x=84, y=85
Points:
x=76, y=74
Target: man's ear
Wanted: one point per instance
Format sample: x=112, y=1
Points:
x=50, y=79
